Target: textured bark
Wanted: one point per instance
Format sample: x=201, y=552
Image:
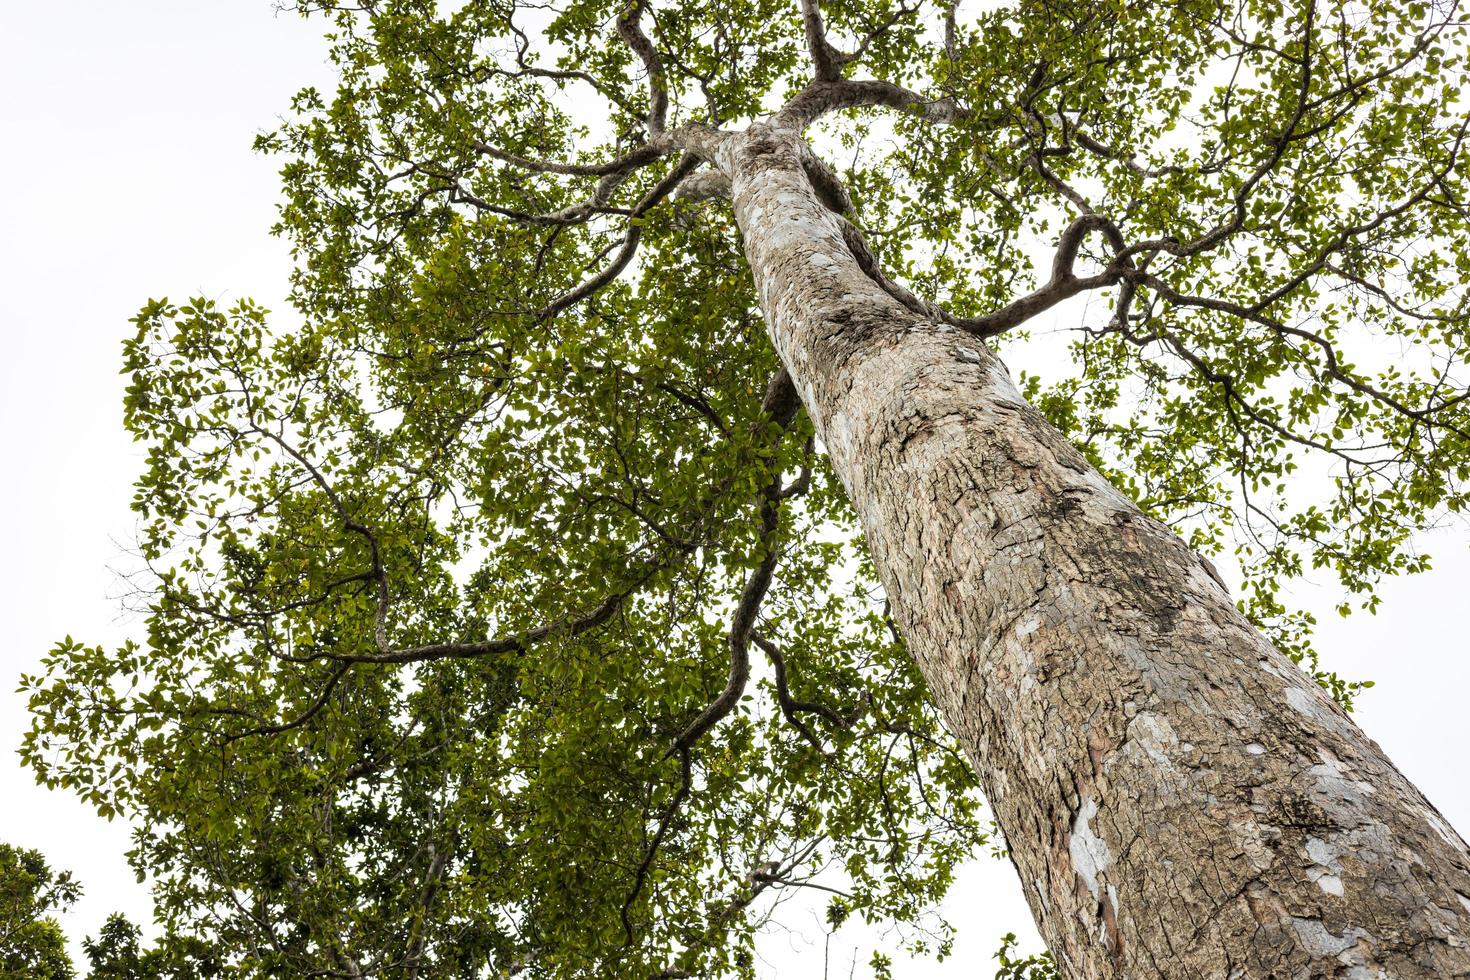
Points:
x=1179, y=799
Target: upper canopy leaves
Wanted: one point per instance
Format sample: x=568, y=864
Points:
x=504, y=614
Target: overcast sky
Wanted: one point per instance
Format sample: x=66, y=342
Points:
x=128, y=174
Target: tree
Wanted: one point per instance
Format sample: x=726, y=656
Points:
x=639, y=521
x=31, y=893
x=118, y=954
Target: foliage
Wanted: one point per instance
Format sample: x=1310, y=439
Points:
x=1037, y=966
x=448, y=585
x=31, y=893
x=118, y=954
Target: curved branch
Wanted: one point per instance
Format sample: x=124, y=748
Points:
x=640, y=877
x=780, y=406
x=301, y=719
x=823, y=97
x=705, y=185
x=631, y=238
x=1064, y=283
x=1332, y=367
x=640, y=156
x=826, y=60
x=790, y=706
x=852, y=236
x=631, y=31
x=738, y=637
x=504, y=644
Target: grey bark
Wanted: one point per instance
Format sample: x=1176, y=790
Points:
x=1179, y=799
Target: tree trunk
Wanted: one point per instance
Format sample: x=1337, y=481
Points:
x=1179, y=799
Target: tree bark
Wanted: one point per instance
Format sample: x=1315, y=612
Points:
x=1179, y=799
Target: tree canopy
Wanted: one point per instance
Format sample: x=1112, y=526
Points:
x=502, y=612
x=31, y=894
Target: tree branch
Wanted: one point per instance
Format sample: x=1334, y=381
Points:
x=503, y=644
x=780, y=406
x=312, y=710
x=1241, y=197
x=826, y=60
x=640, y=877
x=1064, y=283
x=823, y=97
x=790, y=706
x=631, y=238
x=640, y=156
x=704, y=185
x=631, y=31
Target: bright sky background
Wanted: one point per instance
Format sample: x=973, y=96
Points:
x=129, y=175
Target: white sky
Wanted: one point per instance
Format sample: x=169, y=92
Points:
x=129, y=175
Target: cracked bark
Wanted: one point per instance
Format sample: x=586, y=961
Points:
x=1178, y=798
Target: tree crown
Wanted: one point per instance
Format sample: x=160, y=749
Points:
x=504, y=611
